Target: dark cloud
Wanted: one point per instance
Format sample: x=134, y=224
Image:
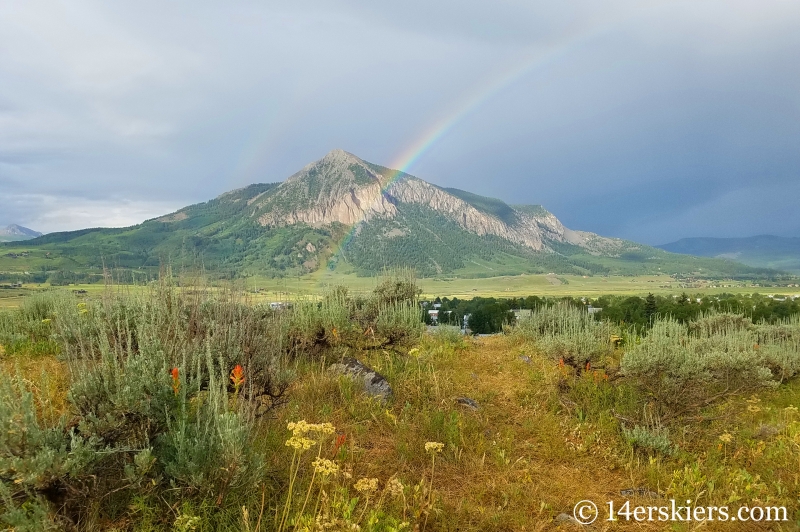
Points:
x=651, y=121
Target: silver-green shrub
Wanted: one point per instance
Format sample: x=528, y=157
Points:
x=567, y=332
x=649, y=439
x=685, y=367
x=152, y=407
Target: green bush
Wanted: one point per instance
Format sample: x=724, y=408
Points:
x=390, y=314
x=567, y=332
x=154, y=408
x=649, y=439
x=685, y=367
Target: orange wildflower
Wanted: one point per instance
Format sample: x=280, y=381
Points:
x=340, y=439
x=237, y=377
x=176, y=381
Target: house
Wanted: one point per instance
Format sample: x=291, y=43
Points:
x=522, y=313
x=434, y=316
x=593, y=310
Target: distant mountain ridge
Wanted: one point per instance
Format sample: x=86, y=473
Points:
x=782, y=253
x=344, y=213
x=16, y=232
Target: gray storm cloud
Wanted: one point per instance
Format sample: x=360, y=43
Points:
x=650, y=121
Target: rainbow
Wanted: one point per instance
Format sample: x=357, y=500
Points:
x=535, y=61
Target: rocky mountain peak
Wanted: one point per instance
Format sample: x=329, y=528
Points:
x=337, y=166
x=18, y=230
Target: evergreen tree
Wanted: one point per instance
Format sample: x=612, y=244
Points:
x=650, y=307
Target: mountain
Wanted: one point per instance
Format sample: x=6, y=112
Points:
x=764, y=251
x=344, y=213
x=16, y=232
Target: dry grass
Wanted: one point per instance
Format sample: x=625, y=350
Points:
x=523, y=458
x=513, y=464
x=46, y=376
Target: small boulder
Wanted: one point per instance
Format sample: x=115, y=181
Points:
x=469, y=403
x=375, y=384
x=640, y=492
x=525, y=358
x=566, y=518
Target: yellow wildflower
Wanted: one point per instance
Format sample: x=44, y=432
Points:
x=300, y=443
x=726, y=438
x=414, y=352
x=366, y=485
x=302, y=427
x=753, y=408
x=433, y=447
x=325, y=467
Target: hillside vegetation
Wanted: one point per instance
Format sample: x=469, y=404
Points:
x=187, y=409
x=343, y=213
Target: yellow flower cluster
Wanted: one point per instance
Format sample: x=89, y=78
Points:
x=433, y=447
x=300, y=443
x=394, y=487
x=300, y=428
x=366, y=485
x=726, y=438
x=325, y=467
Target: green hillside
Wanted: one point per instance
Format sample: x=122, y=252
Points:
x=338, y=214
x=764, y=251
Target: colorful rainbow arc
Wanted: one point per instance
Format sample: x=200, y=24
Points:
x=536, y=61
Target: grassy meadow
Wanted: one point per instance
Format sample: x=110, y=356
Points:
x=167, y=408
x=311, y=286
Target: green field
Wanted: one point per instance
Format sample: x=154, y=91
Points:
x=312, y=285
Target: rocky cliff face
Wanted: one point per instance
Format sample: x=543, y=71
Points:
x=471, y=219
x=342, y=188
x=338, y=188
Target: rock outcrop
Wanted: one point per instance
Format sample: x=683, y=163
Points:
x=374, y=383
x=341, y=188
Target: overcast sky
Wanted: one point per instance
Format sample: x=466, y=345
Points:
x=645, y=120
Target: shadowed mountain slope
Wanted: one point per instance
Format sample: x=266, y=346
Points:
x=765, y=251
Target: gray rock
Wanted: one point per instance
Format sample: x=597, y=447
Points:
x=525, y=358
x=566, y=518
x=466, y=401
x=639, y=492
x=375, y=384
